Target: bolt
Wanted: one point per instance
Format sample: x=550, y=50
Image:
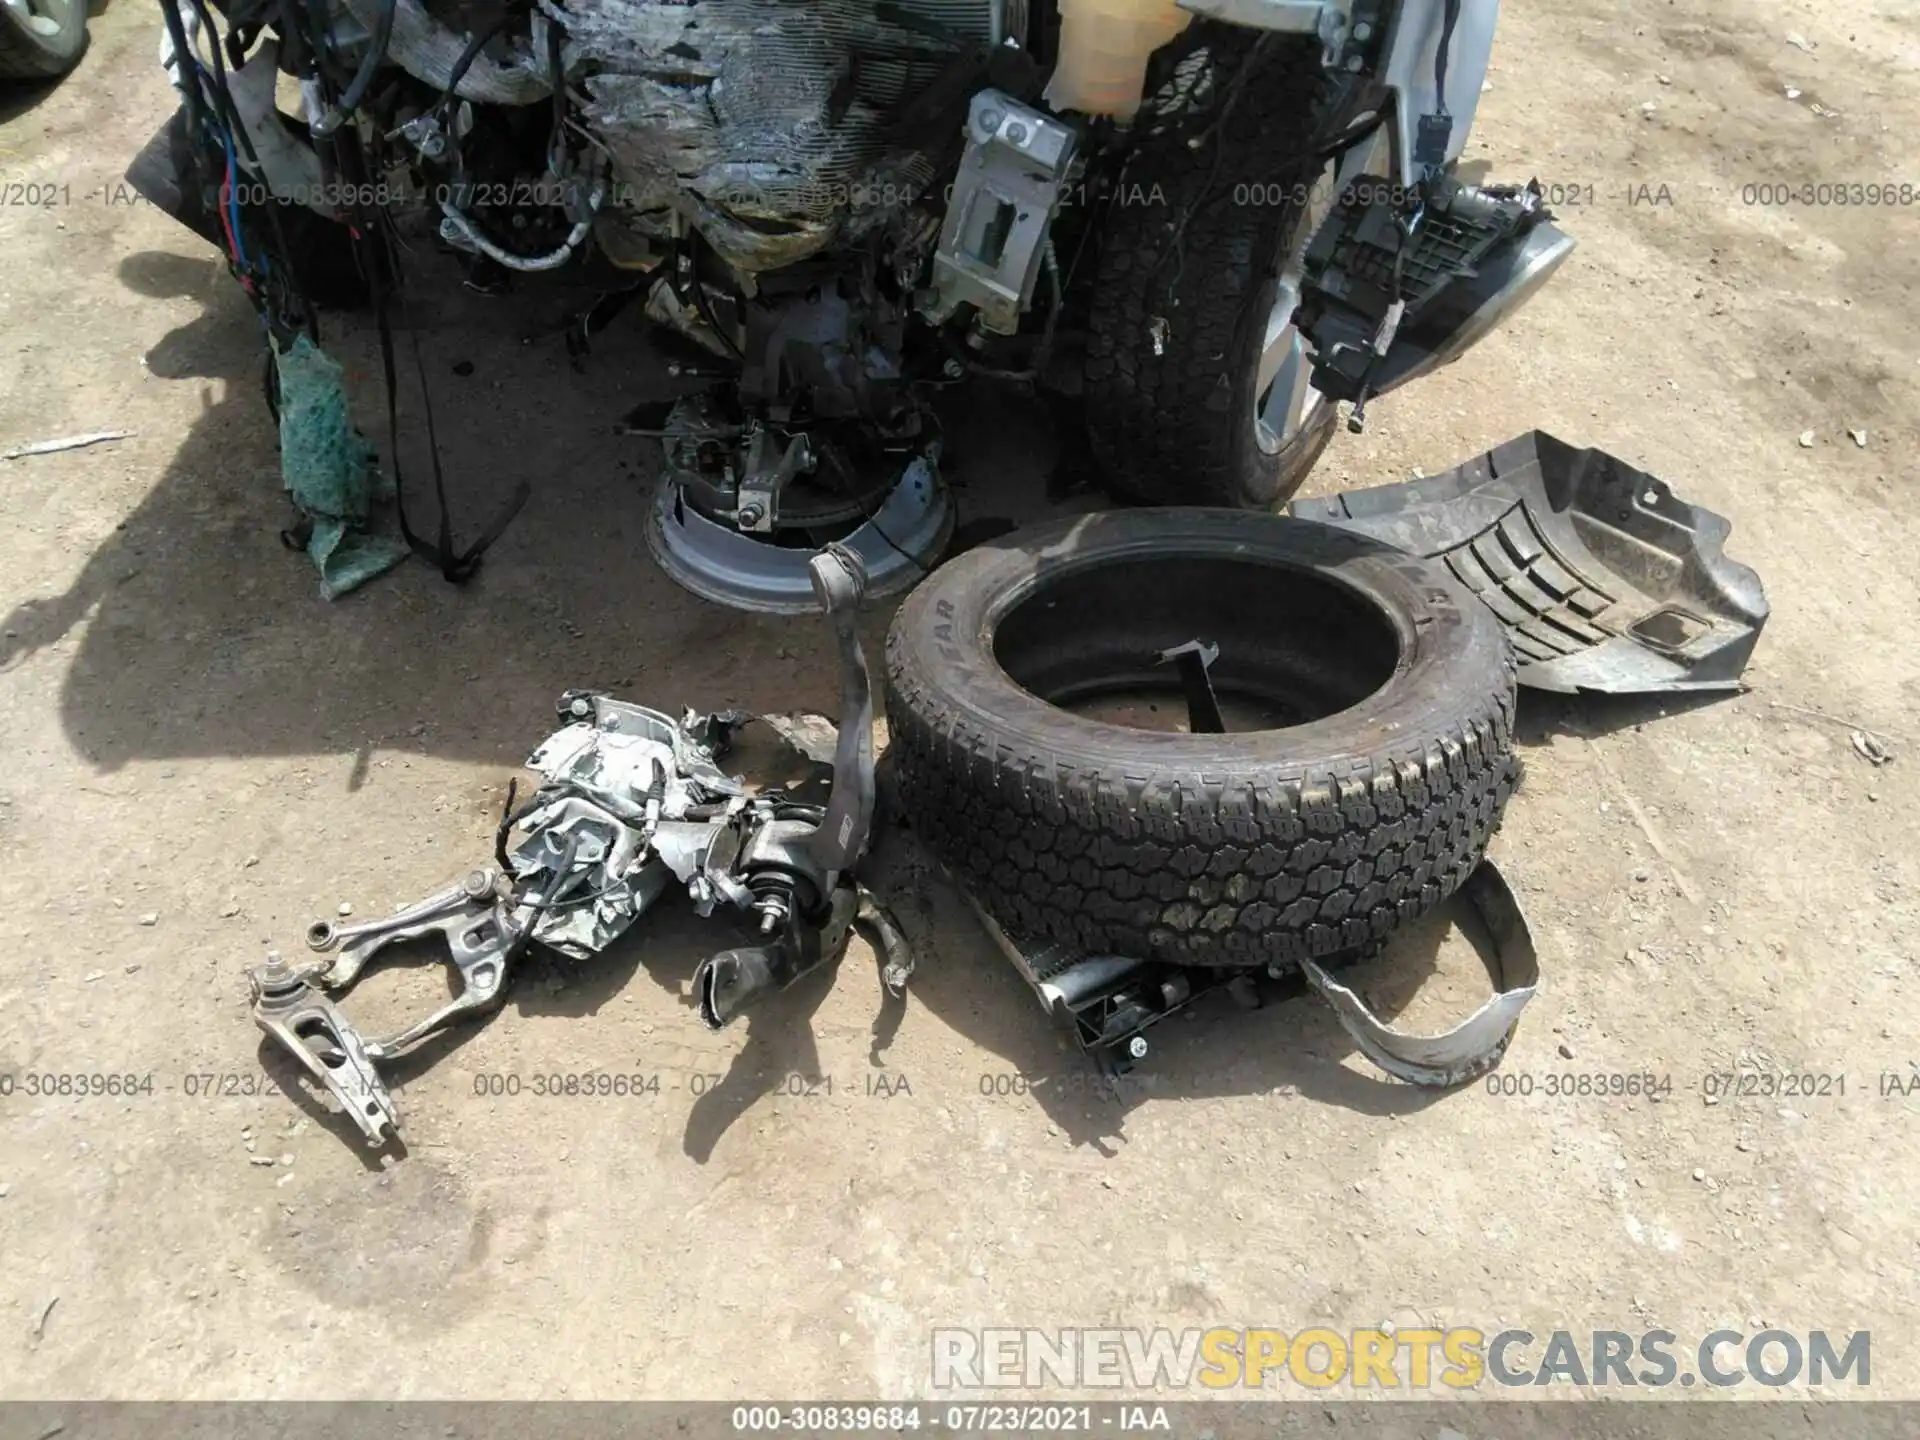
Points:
x=1356, y=63
x=991, y=120
x=450, y=231
x=953, y=369
x=1137, y=1047
x=1016, y=134
x=1363, y=31
x=750, y=516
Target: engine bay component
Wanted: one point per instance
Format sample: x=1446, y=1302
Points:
x=630, y=800
x=1392, y=293
x=1604, y=579
x=1104, y=49
x=772, y=127
x=581, y=206
x=615, y=775
x=809, y=433
x=1012, y=176
x=431, y=52
x=897, y=544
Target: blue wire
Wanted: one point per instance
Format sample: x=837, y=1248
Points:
x=233, y=208
x=233, y=188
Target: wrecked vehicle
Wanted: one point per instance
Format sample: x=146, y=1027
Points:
x=1208, y=222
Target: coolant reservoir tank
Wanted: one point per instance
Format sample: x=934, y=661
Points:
x=1104, y=45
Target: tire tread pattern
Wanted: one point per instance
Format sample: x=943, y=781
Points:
x=1165, y=427
x=1205, y=868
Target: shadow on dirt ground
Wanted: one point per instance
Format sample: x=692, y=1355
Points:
x=207, y=638
x=1542, y=716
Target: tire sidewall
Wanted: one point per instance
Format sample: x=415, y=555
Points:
x=55, y=56
x=1450, y=649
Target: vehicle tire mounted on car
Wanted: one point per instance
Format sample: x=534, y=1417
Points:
x=1190, y=255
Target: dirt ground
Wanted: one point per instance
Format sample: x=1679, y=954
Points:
x=203, y=756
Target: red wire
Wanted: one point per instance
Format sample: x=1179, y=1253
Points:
x=226, y=225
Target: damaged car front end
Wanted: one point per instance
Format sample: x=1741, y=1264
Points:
x=831, y=212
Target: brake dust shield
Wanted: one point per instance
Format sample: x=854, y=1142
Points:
x=1604, y=579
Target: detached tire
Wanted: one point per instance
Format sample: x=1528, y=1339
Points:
x=1388, y=692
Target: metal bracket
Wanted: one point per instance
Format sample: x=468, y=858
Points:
x=758, y=505
x=840, y=582
x=481, y=935
x=1011, y=179
x=1195, y=663
x=307, y=1023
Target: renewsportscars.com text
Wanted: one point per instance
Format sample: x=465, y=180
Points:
x=1372, y=1360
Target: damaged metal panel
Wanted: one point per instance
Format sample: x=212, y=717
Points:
x=766, y=121
x=1604, y=579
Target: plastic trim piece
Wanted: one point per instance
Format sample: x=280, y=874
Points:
x=1475, y=1045
x=1604, y=579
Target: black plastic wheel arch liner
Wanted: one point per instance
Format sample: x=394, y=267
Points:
x=1603, y=577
